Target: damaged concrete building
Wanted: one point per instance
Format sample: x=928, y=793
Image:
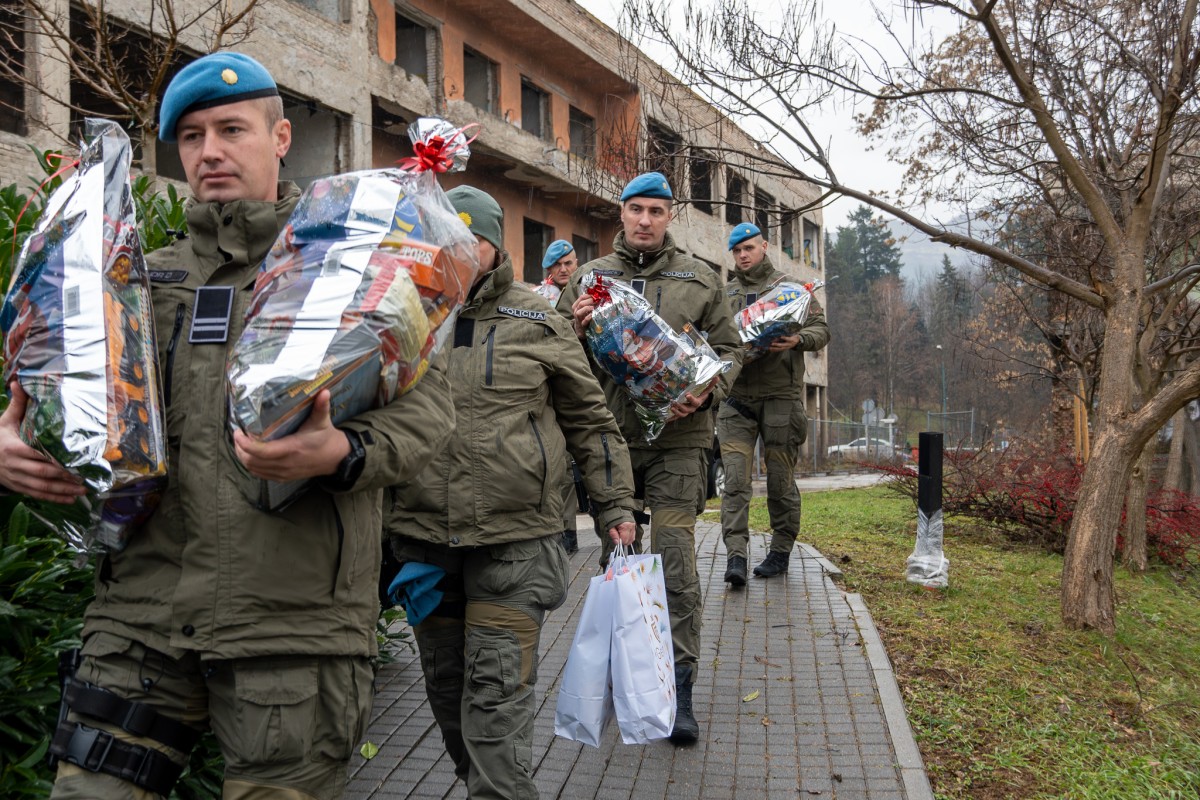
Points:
x=566, y=110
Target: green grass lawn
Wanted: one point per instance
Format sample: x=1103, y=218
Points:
x=1004, y=701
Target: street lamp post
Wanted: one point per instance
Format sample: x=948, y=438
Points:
x=943, y=352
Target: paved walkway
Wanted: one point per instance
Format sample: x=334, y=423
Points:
x=826, y=722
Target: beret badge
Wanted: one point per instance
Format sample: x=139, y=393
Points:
x=229, y=76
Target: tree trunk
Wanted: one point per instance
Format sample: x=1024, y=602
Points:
x=1174, y=477
x=1191, y=455
x=1133, y=554
x=1087, y=579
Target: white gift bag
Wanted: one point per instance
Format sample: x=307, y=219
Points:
x=643, y=658
x=585, y=705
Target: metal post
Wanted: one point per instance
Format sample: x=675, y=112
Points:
x=927, y=565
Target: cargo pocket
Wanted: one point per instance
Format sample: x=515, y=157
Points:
x=777, y=424
x=494, y=670
x=343, y=708
x=504, y=570
x=276, y=709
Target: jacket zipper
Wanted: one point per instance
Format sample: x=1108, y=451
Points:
x=542, y=448
x=341, y=540
x=658, y=300
x=607, y=459
x=171, y=345
x=490, y=340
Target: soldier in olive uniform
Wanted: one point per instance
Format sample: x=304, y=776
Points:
x=766, y=400
x=486, y=512
x=260, y=626
x=671, y=471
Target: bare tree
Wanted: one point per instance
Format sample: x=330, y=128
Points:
x=121, y=68
x=1079, y=108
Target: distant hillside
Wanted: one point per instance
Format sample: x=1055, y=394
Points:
x=922, y=257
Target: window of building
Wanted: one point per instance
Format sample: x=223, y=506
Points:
x=412, y=46
x=535, y=110
x=735, y=197
x=787, y=233
x=586, y=249
x=537, y=238
x=480, y=81
x=812, y=244
x=389, y=134
x=12, y=92
x=664, y=152
x=700, y=167
x=583, y=134
x=763, y=206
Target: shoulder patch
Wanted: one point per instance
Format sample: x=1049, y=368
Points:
x=522, y=313
x=610, y=273
x=731, y=292
x=674, y=273
x=168, y=275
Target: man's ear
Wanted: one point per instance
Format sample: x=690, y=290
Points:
x=283, y=137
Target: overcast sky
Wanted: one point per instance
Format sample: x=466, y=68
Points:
x=856, y=165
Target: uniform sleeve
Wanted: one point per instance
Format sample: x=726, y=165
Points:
x=723, y=338
x=815, y=333
x=401, y=438
x=592, y=435
x=569, y=294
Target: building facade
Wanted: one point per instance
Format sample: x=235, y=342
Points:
x=566, y=112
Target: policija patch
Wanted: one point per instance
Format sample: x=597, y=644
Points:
x=677, y=274
x=522, y=313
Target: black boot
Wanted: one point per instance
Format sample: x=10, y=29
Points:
x=570, y=542
x=735, y=571
x=774, y=564
x=686, y=730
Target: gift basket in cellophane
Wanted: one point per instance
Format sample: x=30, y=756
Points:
x=640, y=351
x=780, y=312
x=357, y=295
x=79, y=339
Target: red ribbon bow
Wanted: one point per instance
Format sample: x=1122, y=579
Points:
x=436, y=155
x=599, y=292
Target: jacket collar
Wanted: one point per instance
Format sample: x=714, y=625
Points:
x=757, y=274
x=494, y=283
x=253, y=224
x=643, y=260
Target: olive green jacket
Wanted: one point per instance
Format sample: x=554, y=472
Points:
x=774, y=375
x=682, y=290
x=208, y=572
x=523, y=398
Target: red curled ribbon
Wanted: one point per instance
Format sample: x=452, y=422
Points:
x=437, y=154
x=599, y=292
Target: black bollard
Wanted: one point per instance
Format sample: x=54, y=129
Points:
x=928, y=565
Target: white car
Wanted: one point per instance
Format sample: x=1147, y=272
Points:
x=863, y=449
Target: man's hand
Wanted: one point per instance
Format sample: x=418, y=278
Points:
x=624, y=533
x=784, y=343
x=581, y=312
x=689, y=405
x=26, y=470
x=315, y=449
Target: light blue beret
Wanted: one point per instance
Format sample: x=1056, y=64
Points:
x=747, y=230
x=210, y=81
x=648, y=184
x=557, y=249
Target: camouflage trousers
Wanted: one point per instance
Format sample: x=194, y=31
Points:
x=479, y=654
x=783, y=427
x=287, y=725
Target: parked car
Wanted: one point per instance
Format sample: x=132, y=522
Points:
x=863, y=449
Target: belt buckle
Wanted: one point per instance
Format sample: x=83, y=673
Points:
x=80, y=750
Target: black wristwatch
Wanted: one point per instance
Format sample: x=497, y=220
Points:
x=349, y=468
